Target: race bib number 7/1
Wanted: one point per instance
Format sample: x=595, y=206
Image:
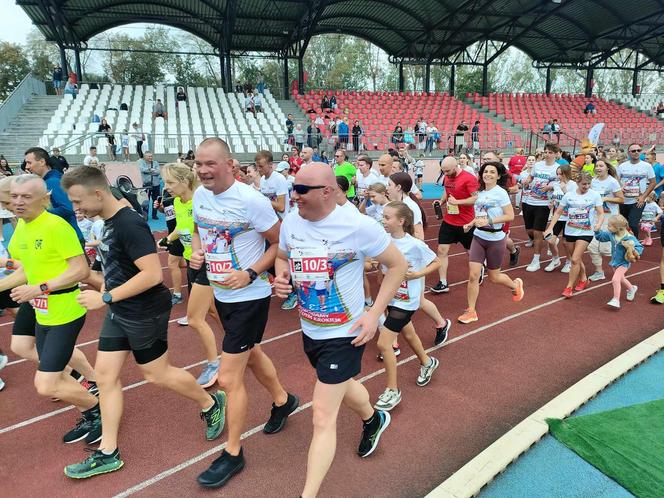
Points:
x=218, y=266
x=40, y=304
x=309, y=265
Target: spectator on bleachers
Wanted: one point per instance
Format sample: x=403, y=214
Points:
x=546, y=130
x=397, y=134
x=70, y=88
x=319, y=121
x=124, y=142
x=409, y=138
x=555, y=129
x=343, y=132
x=660, y=108
x=260, y=86
x=248, y=88
x=344, y=168
x=159, y=111
x=5, y=170
x=180, y=96
x=460, y=137
x=324, y=104
x=105, y=128
x=324, y=158
x=151, y=175
x=249, y=103
x=333, y=102
x=475, y=137
x=421, y=132
x=57, y=161
x=258, y=102
x=300, y=136
x=295, y=161
x=615, y=140
x=190, y=156
x=91, y=155
x=357, y=133
x=290, y=126
x=590, y=108
x=517, y=162
x=57, y=79
x=432, y=138
x=139, y=136
x=314, y=136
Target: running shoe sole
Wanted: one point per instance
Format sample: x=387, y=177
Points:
x=227, y=477
x=444, y=290
x=388, y=419
x=468, y=320
x=95, y=472
x=385, y=408
x=211, y=382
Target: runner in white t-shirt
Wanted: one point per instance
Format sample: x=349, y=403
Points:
x=365, y=178
x=232, y=222
x=561, y=186
x=398, y=222
x=318, y=245
x=584, y=217
x=638, y=180
x=272, y=185
x=608, y=186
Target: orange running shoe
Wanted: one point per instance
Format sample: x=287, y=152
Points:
x=568, y=292
x=517, y=294
x=468, y=317
x=580, y=285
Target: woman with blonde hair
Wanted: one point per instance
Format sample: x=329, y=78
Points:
x=181, y=181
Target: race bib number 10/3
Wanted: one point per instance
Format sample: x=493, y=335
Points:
x=218, y=266
x=309, y=265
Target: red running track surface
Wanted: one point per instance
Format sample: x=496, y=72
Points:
x=493, y=373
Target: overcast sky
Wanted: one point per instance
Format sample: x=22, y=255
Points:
x=16, y=24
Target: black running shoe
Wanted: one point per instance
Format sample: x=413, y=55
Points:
x=94, y=434
x=440, y=288
x=221, y=470
x=514, y=257
x=441, y=332
x=280, y=414
x=81, y=431
x=371, y=433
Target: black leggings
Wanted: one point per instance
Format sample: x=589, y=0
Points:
x=633, y=214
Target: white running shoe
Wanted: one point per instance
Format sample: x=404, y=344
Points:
x=598, y=275
x=632, y=292
x=553, y=264
x=529, y=243
x=4, y=359
x=183, y=322
x=567, y=267
x=614, y=303
x=533, y=266
x=388, y=400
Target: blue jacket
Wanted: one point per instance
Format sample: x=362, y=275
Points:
x=617, y=249
x=60, y=204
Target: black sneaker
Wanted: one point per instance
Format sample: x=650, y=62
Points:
x=221, y=470
x=441, y=332
x=81, y=431
x=514, y=257
x=440, y=288
x=94, y=434
x=371, y=434
x=279, y=414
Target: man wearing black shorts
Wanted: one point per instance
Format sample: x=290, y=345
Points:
x=232, y=222
x=139, y=307
x=46, y=279
x=460, y=195
x=324, y=255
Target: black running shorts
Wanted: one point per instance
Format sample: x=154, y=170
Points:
x=397, y=318
x=146, y=338
x=198, y=277
x=176, y=248
x=451, y=234
x=335, y=360
x=244, y=323
x=56, y=343
x=6, y=301
x=25, y=321
x=535, y=217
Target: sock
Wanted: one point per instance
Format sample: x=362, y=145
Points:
x=110, y=453
x=214, y=403
x=215, y=363
x=76, y=375
x=177, y=294
x=372, y=420
x=536, y=258
x=444, y=281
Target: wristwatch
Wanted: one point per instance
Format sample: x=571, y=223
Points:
x=252, y=274
x=107, y=298
x=9, y=265
x=44, y=288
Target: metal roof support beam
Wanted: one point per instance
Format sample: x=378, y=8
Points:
x=485, y=70
x=286, y=85
x=63, y=60
x=590, y=81
x=427, y=77
x=547, y=87
x=77, y=61
x=401, y=82
x=307, y=26
x=226, y=45
x=635, y=76
x=452, y=79
x=300, y=76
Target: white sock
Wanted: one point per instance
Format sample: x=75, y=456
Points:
x=444, y=282
x=536, y=258
x=177, y=294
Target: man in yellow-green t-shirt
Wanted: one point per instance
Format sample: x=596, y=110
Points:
x=50, y=266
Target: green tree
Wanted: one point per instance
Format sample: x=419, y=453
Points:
x=14, y=66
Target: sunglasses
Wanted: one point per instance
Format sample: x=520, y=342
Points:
x=635, y=150
x=304, y=189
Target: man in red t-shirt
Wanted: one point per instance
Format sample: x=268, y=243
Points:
x=517, y=162
x=460, y=195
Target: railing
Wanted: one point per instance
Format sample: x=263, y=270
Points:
x=28, y=87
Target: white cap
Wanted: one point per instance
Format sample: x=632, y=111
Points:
x=282, y=166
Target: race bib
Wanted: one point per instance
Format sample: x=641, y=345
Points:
x=309, y=265
x=185, y=237
x=218, y=266
x=631, y=190
x=452, y=208
x=402, y=292
x=40, y=304
x=578, y=218
x=169, y=212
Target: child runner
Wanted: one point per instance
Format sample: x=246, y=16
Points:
x=398, y=222
x=561, y=186
x=180, y=181
x=626, y=249
x=492, y=209
x=606, y=183
x=585, y=216
x=377, y=194
x=652, y=213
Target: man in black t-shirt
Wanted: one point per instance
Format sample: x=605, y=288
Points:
x=460, y=137
x=58, y=162
x=139, y=307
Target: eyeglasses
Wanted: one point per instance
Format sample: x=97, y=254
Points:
x=635, y=150
x=338, y=155
x=304, y=189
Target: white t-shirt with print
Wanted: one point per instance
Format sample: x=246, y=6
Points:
x=364, y=182
x=349, y=209
x=418, y=255
x=558, y=194
x=417, y=213
x=490, y=203
x=634, y=179
x=607, y=188
x=581, y=212
x=326, y=260
x=275, y=186
x=230, y=226
x=542, y=174
x=375, y=211
x=650, y=212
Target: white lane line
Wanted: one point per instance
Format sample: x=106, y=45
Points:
x=173, y=470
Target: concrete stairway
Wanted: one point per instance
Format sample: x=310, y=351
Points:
x=28, y=126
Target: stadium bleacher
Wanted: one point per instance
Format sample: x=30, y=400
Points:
x=378, y=113
x=644, y=103
x=207, y=112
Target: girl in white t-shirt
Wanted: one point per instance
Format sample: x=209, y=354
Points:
x=651, y=214
x=377, y=195
x=585, y=215
x=561, y=186
x=398, y=222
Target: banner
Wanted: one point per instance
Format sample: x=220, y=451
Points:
x=595, y=131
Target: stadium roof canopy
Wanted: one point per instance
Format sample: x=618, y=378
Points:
x=549, y=31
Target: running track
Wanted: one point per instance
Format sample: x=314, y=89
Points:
x=493, y=373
